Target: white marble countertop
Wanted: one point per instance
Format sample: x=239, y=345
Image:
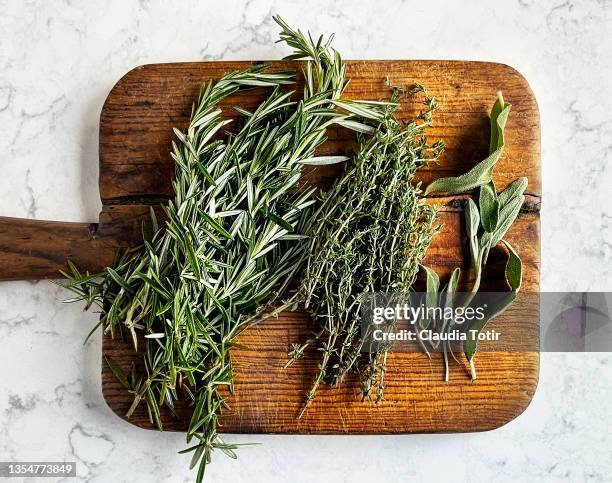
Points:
x=58, y=60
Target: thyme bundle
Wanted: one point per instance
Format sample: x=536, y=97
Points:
x=232, y=239
x=371, y=232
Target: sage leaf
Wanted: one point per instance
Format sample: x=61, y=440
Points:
x=451, y=288
x=431, y=298
x=498, y=305
x=514, y=268
x=499, y=117
x=489, y=207
x=514, y=189
x=510, y=203
x=507, y=215
x=482, y=173
x=433, y=284
x=494, y=308
x=472, y=221
x=475, y=177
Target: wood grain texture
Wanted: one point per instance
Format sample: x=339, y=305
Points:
x=135, y=137
x=135, y=172
x=143, y=107
x=34, y=249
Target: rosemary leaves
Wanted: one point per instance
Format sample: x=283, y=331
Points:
x=232, y=237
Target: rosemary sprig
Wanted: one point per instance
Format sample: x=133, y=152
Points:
x=232, y=238
x=369, y=235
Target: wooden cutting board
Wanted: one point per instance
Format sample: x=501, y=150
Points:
x=135, y=172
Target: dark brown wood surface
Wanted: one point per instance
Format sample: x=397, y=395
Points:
x=135, y=172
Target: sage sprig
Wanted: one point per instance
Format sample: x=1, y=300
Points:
x=233, y=237
x=486, y=225
x=482, y=173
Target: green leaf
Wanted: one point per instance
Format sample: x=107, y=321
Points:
x=514, y=189
x=154, y=284
x=243, y=112
x=118, y=372
x=259, y=83
x=494, y=308
x=472, y=222
x=507, y=215
x=250, y=192
x=514, y=268
x=475, y=177
x=453, y=281
x=431, y=296
x=323, y=160
x=433, y=285
x=206, y=174
x=156, y=335
x=119, y=280
x=499, y=117
x=451, y=288
x=359, y=110
x=482, y=173
x=489, y=207
x=278, y=220
x=510, y=203
x=216, y=226
x=355, y=126
x=433, y=281
x=153, y=408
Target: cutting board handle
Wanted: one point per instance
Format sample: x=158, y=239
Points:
x=35, y=249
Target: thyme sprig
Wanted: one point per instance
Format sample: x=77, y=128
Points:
x=369, y=235
x=232, y=240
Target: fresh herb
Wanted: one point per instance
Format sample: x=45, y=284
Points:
x=237, y=232
x=369, y=235
x=232, y=239
x=482, y=173
x=486, y=225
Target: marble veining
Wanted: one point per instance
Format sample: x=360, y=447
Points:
x=58, y=60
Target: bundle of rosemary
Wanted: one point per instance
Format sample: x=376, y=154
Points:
x=232, y=238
